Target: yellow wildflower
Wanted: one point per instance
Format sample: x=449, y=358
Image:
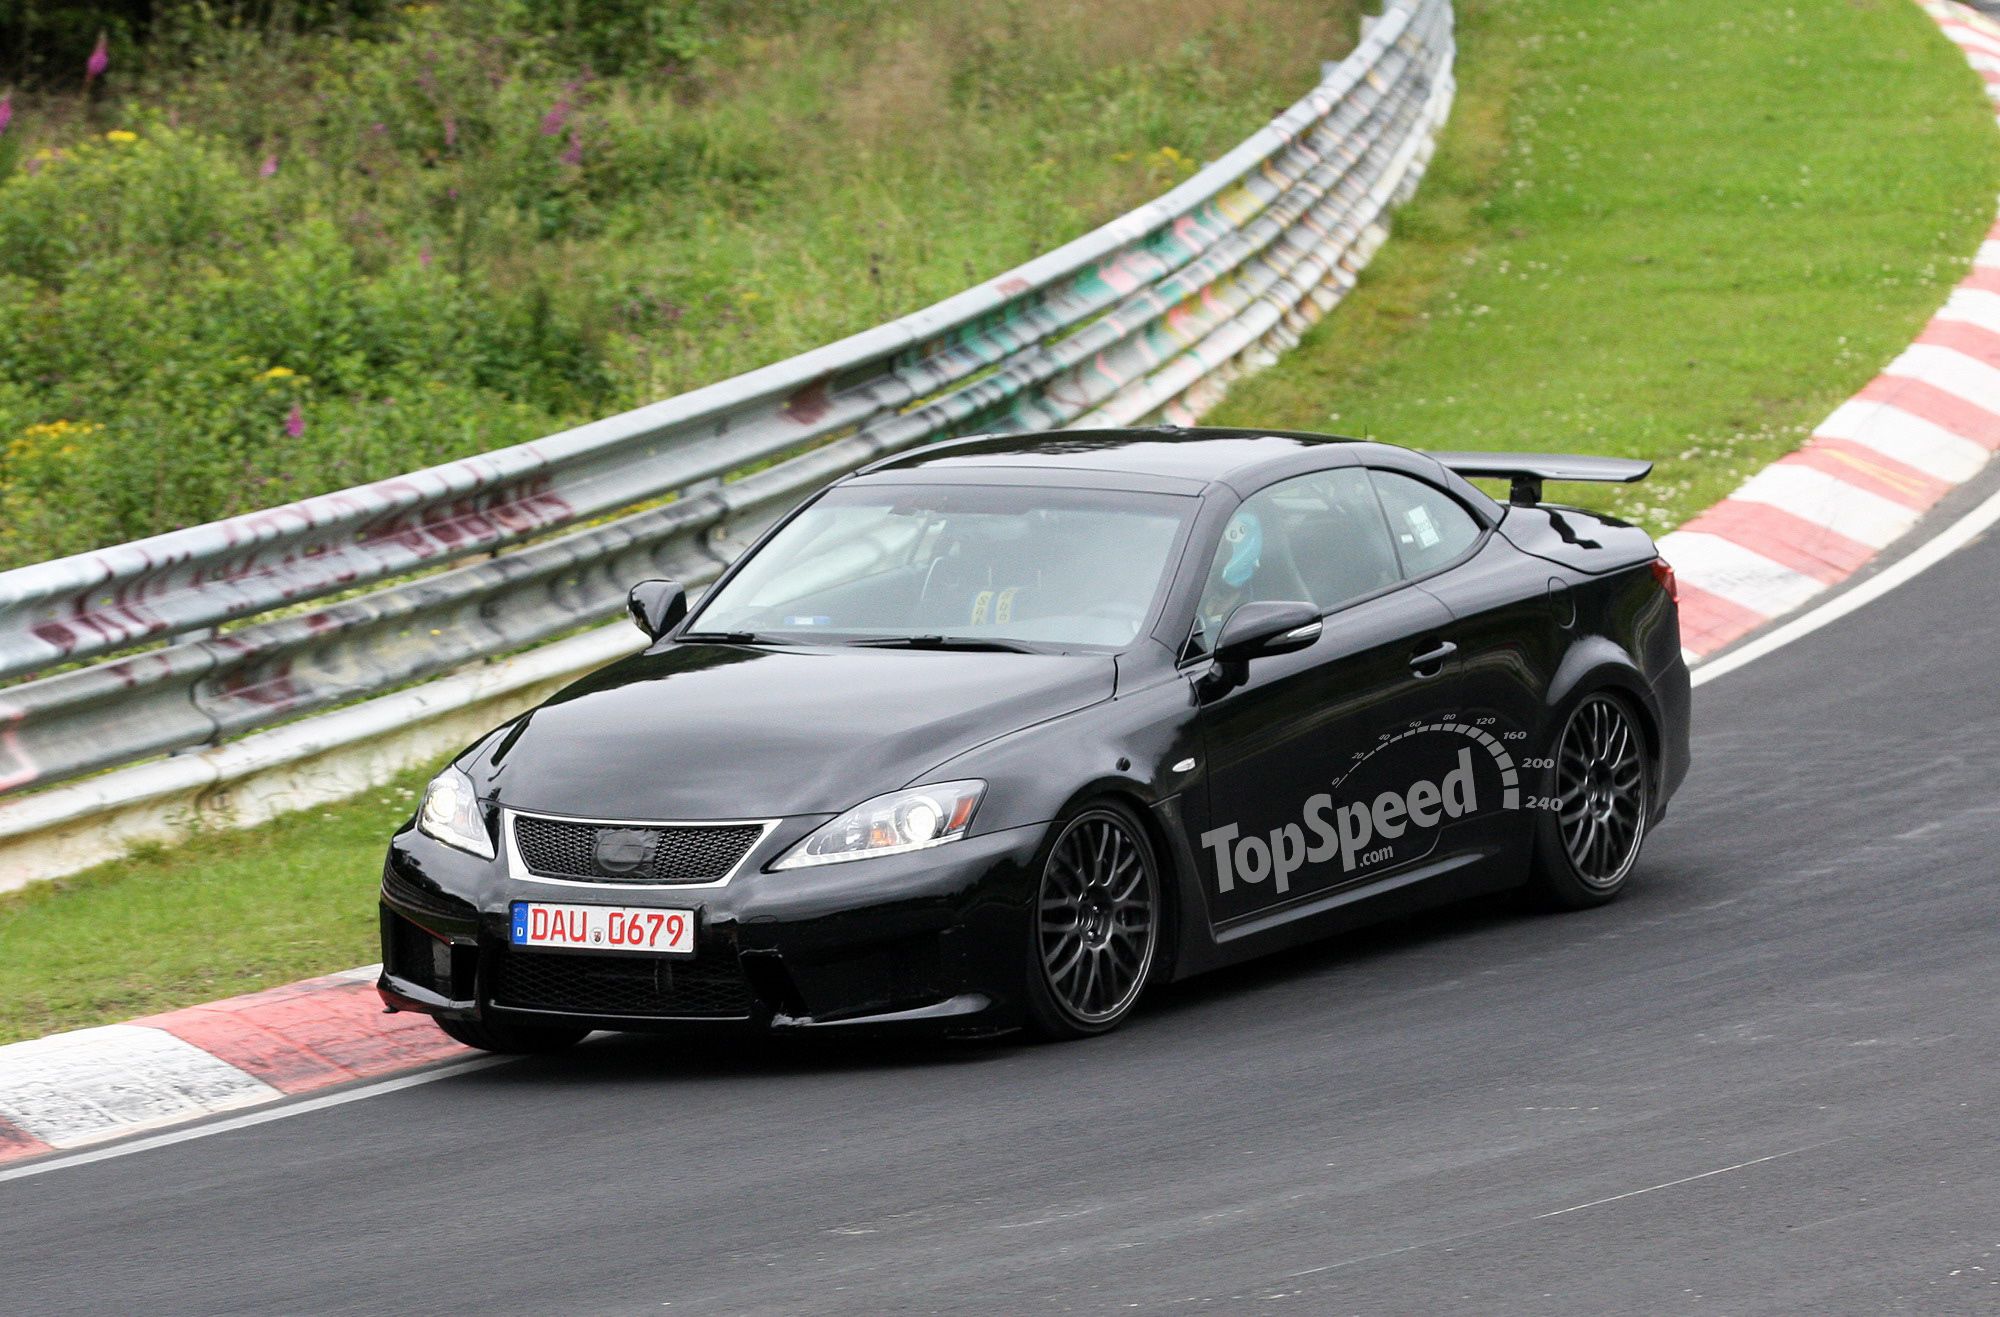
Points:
x=121, y=135
x=278, y=373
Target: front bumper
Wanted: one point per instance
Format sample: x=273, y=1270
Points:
x=933, y=940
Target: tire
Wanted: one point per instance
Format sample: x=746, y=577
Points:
x=1095, y=928
x=512, y=1039
x=1586, y=848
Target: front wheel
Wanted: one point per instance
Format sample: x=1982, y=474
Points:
x=1586, y=847
x=1095, y=929
x=512, y=1039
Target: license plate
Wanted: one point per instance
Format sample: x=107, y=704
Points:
x=604, y=928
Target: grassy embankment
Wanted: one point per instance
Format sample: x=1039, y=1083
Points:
x=1668, y=228
x=1651, y=233
x=258, y=264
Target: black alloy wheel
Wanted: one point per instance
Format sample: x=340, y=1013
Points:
x=1602, y=801
x=1097, y=924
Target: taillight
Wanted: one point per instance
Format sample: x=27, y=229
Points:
x=1663, y=572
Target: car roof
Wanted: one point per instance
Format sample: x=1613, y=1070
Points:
x=1167, y=458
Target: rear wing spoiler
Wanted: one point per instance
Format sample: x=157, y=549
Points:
x=1525, y=472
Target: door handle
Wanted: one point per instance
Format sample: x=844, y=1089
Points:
x=1432, y=661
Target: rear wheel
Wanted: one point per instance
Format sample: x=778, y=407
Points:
x=1586, y=847
x=1096, y=927
x=515, y=1039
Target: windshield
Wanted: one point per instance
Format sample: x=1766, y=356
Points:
x=1055, y=567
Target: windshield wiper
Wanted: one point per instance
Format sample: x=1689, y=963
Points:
x=973, y=643
x=727, y=637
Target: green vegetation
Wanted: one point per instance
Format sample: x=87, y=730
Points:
x=260, y=260
x=226, y=912
x=1658, y=227
x=1675, y=229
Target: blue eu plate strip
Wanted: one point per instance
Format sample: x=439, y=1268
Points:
x=520, y=923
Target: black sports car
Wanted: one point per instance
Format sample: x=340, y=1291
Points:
x=1000, y=731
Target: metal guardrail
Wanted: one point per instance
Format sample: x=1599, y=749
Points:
x=1148, y=316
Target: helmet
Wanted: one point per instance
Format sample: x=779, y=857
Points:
x=1245, y=537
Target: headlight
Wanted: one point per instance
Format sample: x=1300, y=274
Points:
x=907, y=820
x=451, y=814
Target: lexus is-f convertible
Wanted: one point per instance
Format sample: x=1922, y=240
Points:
x=999, y=732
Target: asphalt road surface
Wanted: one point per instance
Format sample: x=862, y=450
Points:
x=1767, y=1080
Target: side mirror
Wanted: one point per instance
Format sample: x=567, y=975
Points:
x=657, y=607
x=1276, y=626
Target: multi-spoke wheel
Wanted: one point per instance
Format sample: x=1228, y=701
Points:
x=1601, y=798
x=1096, y=924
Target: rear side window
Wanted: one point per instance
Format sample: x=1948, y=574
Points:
x=1429, y=526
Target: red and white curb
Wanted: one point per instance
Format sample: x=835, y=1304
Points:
x=70, y=1090
x=1928, y=423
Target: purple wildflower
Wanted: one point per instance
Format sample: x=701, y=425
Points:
x=424, y=256
x=295, y=422
x=450, y=131
x=269, y=167
x=6, y=111
x=553, y=121
x=573, y=153
x=100, y=60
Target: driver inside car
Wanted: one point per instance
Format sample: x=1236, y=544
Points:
x=1230, y=578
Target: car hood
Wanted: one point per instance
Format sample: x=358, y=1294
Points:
x=705, y=731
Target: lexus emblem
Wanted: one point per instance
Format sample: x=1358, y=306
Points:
x=623, y=850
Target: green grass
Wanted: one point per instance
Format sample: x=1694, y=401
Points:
x=265, y=263
x=227, y=912
x=1675, y=229
x=1669, y=228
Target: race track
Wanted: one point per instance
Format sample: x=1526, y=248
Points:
x=1768, y=1079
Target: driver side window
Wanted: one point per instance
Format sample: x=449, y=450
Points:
x=1318, y=538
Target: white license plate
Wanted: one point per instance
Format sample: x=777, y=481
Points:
x=604, y=928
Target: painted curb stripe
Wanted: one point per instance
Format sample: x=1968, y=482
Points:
x=1825, y=555
x=1979, y=341
x=16, y=1144
x=1743, y=576
x=1911, y=440
x=76, y=1088
x=1869, y=470
x=309, y=1035
x=1708, y=622
x=1827, y=500
x=1929, y=403
x=1954, y=372
x=72, y=1089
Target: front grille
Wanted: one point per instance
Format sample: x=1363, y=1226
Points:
x=710, y=987
x=621, y=853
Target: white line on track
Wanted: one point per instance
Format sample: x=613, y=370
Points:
x=1545, y=1216
x=251, y=1118
x=1946, y=542
x=1939, y=547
